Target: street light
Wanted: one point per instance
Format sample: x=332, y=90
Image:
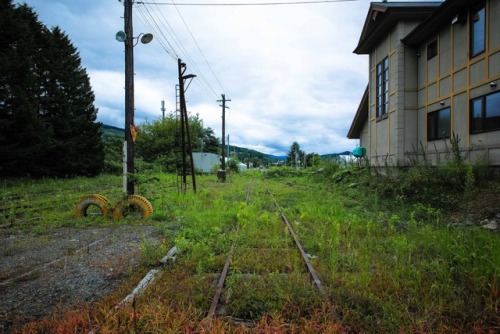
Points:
x=127, y=38
x=145, y=39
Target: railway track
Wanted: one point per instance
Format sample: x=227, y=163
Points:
x=224, y=295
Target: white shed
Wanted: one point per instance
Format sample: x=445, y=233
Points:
x=205, y=162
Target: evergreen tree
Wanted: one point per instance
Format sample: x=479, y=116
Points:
x=295, y=156
x=67, y=102
x=47, y=116
x=22, y=134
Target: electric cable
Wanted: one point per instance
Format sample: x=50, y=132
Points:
x=287, y=3
x=199, y=49
x=159, y=33
x=203, y=82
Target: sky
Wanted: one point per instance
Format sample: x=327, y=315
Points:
x=289, y=70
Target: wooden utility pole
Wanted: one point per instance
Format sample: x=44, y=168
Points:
x=185, y=135
x=222, y=173
x=129, y=169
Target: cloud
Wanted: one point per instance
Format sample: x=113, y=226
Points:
x=289, y=70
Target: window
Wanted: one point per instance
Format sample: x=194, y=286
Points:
x=438, y=124
x=478, y=30
x=383, y=87
x=485, y=113
x=432, y=49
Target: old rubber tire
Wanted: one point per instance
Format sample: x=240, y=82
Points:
x=97, y=200
x=132, y=203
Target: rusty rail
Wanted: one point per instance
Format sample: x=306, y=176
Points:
x=312, y=272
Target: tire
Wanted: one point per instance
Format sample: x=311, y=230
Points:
x=132, y=204
x=85, y=202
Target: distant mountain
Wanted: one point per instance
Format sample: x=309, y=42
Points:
x=111, y=131
x=334, y=155
x=277, y=157
x=246, y=153
x=241, y=152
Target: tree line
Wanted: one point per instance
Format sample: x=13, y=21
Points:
x=47, y=112
x=48, y=124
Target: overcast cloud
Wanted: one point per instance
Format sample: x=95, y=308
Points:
x=289, y=70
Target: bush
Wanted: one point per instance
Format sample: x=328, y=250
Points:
x=233, y=165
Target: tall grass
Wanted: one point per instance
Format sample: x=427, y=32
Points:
x=390, y=263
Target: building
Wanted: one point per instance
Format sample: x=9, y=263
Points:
x=206, y=162
x=434, y=77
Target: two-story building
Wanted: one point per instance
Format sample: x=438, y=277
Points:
x=434, y=76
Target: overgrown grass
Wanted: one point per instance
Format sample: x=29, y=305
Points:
x=390, y=262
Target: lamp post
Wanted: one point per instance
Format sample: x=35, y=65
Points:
x=127, y=37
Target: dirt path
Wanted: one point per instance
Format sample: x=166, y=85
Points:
x=39, y=274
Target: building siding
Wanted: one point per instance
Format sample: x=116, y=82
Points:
x=419, y=86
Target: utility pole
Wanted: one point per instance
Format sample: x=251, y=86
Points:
x=185, y=135
x=127, y=37
x=129, y=98
x=222, y=172
x=163, y=109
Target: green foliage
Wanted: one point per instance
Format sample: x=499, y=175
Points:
x=448, y=185
x=113, y=153
x=47, y=113
x=233, y=165
x=388, y=265
x=279, y=172
x=159, y=142
x=313, y=160
x=152, y=252
x=295, y=156
x=250, y=156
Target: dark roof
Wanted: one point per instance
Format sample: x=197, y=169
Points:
x=360, y=117
x=442, y=16
x=382, y=16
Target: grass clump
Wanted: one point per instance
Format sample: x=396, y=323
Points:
x=386, y=253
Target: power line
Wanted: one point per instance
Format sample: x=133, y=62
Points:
x=203, y=82
x=161, y=23
x=147, y=18
x=248, y=4
x=201, y=52
x=158, y=32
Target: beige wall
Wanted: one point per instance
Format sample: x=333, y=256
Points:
x=455, y=79
x=418, y=86
x=389, y=137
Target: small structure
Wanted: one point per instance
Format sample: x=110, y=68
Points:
x=205, y=162
x=242, y=166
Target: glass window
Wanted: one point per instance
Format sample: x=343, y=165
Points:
x=382, y=87
x=485, y=113
x=438, y=124
x=432, y=49
x=478, y=30
x=476, y=122
x=492, y=112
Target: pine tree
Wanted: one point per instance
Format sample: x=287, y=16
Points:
x=22, y=139
x=295, y=156
x=67, y=102
x=47, y=116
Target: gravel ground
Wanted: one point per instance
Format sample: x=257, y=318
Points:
x=42, y=274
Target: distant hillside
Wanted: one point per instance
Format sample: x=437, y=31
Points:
x=246, y=153
x=111, y=131
x=241, y=152
x=334, y=155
